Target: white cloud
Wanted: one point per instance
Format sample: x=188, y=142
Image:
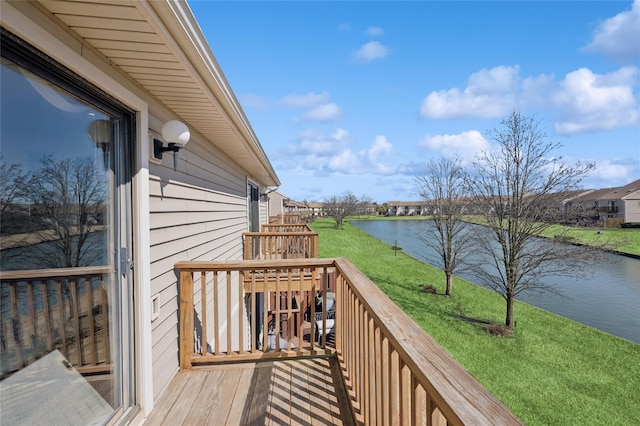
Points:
x=588, y=101
x=380, y=146
x=371, y=51
x=322, y=154
x=345, y=162
x=308, y=100
x=583, y=101
x=618, y=38
x=317, y=104
x=611, y=170
x=465, y=145
x=374, y=31
x=489, y=93
x=326, y=112
x=313, y=142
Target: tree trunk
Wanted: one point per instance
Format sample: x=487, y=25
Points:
x=509, y=321
x=447, y=290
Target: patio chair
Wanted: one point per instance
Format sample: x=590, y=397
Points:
x=330, y=322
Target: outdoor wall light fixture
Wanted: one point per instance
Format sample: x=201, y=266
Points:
x=265, y=195
x=177, y=135
x=100, y=132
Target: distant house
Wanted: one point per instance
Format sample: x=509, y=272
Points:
x=408, y=208
x=316, y=209
x=620, y=202
x=277, y=203
x=292, y=206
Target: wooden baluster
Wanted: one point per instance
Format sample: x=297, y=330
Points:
x=33, y=337
x=377, y=363
x=75, y=312
x=16, y=324
x=289, y=313
x=92, y=333
x=406, y=394
x=418, y=402
x=229, y=328
x=394, y=384
x=203, y=305
x=241, y=316
x=368, y=371
x=253, y=314
x=46, y=311
x=216, y=313
x=276, y=312
x=385, y=376
x=265, y=309
x=62, y=327
x=104, y=313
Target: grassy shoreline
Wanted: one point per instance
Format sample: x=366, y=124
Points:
x=550, y=371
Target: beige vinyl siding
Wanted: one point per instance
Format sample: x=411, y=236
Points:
x=264, y=212
x=631, y=206
x=197, y=212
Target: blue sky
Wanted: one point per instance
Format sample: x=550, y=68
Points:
x=360, y=95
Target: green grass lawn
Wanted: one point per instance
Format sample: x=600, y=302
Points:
x=622, y=240
x=551, y=371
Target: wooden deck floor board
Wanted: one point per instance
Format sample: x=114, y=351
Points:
x=291, y=392
x=236, y=399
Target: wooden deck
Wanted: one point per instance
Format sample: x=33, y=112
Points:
x=305, y=391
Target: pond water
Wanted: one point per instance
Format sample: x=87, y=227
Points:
x=607, y=298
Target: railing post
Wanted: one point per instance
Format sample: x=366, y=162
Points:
x=314, y=245
x=247, y=247
x=186, y=319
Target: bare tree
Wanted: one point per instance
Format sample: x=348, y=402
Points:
x=443, y=186
x=519, y=187
x=14, y=210
x=339, y=207
x=366, y=205
x=67, y=198
x=13, y=186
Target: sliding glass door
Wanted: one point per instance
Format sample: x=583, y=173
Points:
x=65, y=312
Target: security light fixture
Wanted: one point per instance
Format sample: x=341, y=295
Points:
x=100, y=132
x=177, y=135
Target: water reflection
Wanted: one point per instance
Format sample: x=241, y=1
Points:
x=606, y=298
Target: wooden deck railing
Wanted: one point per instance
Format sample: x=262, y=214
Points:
x=232, y=311
x=280, y=245
x=281, y=227
x=293, y=218
x=394, y=372
x=47, y=309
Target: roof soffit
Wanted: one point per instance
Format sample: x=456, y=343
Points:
x=159, y=45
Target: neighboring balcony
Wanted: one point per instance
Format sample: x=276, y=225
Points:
x=609, y=209
x=257, y=346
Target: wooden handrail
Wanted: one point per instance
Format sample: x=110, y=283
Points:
x=62, y=308
x=394, y=371
x=280, y=227
x=27, y=274
x=278, y=245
